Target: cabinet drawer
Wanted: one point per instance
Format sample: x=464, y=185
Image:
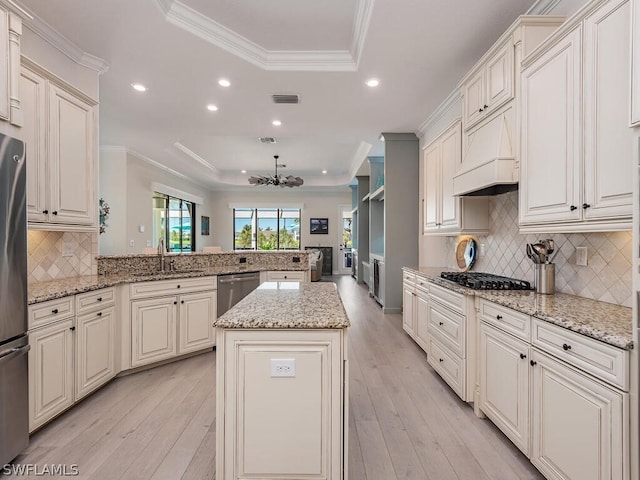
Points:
x=168, y=287
x=286, y=276
x=422, y=284
x=453, y=300
x=515, y=323
x=51, y=311
x=86, y=302
x=448, y=365
x=448, y=327
x=603, y=361
x=408, y=277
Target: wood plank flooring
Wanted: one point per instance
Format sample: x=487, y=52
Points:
x=404, y=422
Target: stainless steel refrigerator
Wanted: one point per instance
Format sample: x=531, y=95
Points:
x=14, y=345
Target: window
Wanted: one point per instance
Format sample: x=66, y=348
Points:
x=266, y=228
x=174, y=221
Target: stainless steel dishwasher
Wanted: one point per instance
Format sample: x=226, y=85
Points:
x=233, y=287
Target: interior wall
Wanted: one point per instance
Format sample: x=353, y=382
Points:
x=113, y=189
x=313, y=204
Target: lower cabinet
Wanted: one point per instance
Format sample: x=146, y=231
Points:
x=408, y=307
x=415, y=308
x=287, y=276
x=153, y=330
x=578, y=424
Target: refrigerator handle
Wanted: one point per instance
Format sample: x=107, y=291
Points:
x=15, y=352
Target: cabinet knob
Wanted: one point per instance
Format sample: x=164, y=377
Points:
x=498, y=317
x=480, y=111
x=178, y=286
x=566, y=346
x=181, y=301
x=73, y=329
x=573, y=207
x=586, y=205
x=54, y=311
x=523, y=356
x=441, y=360
x=46, y=212
x=533, y=363
x=99, y=314
x=175, y=303
x=99, y=299
x=285, y=276
x=55, y=212
x=485, y=106
x=440, y=323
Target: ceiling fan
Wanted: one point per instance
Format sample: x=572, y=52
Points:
x=277, y=180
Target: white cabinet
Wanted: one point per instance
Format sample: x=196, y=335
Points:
x=281, y=427
x=575, y=150
x=51, y=376
x=171, y=317
x=287, y=276
x=635, y=63
x=489, y=87
x=60, y=134
x=443, y=213
x=579, y=424
x=408, y=308
x=415, y=308
x=421, y=313
x=10, y=36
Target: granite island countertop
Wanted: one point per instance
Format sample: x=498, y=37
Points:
x=288, y=305
x=606, y=322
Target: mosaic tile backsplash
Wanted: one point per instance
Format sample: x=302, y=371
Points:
x=607, y=276
x=55, y=255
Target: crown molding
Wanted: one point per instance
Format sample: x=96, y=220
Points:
x=63, y=44
x=359, y=156
x=191, y=154
x=439, y=112
x=543, y=7
x=217, y=34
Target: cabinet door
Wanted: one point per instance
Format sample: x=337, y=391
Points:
x=504, y=383
x=408, y=309
x=153, y=330
x=50, y=372
x=450, y=161
x=422, y=321
x=635, y=63
x=500, y=77
x=197, y=314
x=474, y=99
x=32, y=93
x=579, y=425
x=95, y=350
x=71, y=159
x=550, y=164
x=431, y=181
x=608, y=140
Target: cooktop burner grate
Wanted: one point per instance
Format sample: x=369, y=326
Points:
x=486, y=281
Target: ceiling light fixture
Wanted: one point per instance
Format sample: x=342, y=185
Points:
x=243, y=171
x=324, y=172
x=223, y=82
x=276, y=123
x=212, y=108
x=139, y=87
x=277, y=180
x=373, y=82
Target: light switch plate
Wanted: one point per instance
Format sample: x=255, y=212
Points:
x=283, y=367
x=581, y=256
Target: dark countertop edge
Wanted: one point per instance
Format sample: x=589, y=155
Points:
x=433, y=275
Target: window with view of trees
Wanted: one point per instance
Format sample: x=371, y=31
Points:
x=266, y=228
x=174, y=221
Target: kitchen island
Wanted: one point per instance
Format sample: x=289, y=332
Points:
x=282, y=384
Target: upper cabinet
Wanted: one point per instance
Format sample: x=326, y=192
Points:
x=10, y=35
x=635, y=63
x=60, y=133
x=576, y=150
x=443, y=213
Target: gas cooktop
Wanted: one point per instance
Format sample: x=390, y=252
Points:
x=485, y=281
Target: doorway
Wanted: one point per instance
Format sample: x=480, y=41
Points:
x=346, y=240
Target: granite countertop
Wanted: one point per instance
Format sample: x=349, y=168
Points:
x=43, y=291
x=606, y=322
x=277, y=305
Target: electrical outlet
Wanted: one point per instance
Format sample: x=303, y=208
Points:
x=148, y=243
x=481, y=250
x=67, y=249
x=295, y=259
x=283, y=367
x=581, y=256
x=132, y=243
x=242, y=260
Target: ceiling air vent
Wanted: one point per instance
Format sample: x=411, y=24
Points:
x=286, y=98
x=267, y=140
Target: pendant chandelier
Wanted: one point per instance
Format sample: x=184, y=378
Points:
x=277, y=180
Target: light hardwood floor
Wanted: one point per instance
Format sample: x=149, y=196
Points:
x=404, y=422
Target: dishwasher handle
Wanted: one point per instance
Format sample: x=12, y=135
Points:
x=243, y=279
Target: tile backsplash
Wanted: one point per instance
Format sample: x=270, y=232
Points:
x=55, y=255
x=607, y=276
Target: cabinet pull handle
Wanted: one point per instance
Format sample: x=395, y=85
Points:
x=523, y=356
x=73, y=329
x=586, y=205
x=566, y=346
x=46, y=212
x=54, y=311
x=498, y=317
x=55, y=212
x=533, y=363
x=99, y=314
x=440, y=323
x=573, y=207
x=99, y=299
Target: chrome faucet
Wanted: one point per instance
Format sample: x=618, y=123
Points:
x=161, y=253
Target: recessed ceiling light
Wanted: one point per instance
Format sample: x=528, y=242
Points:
x=373, y=82
x=243, y=171
x=276, y=123
x=223, y=82
x=324, y=171
x=139, y=87
x=211, y=107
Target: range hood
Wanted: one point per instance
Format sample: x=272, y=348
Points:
x=489, y=165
